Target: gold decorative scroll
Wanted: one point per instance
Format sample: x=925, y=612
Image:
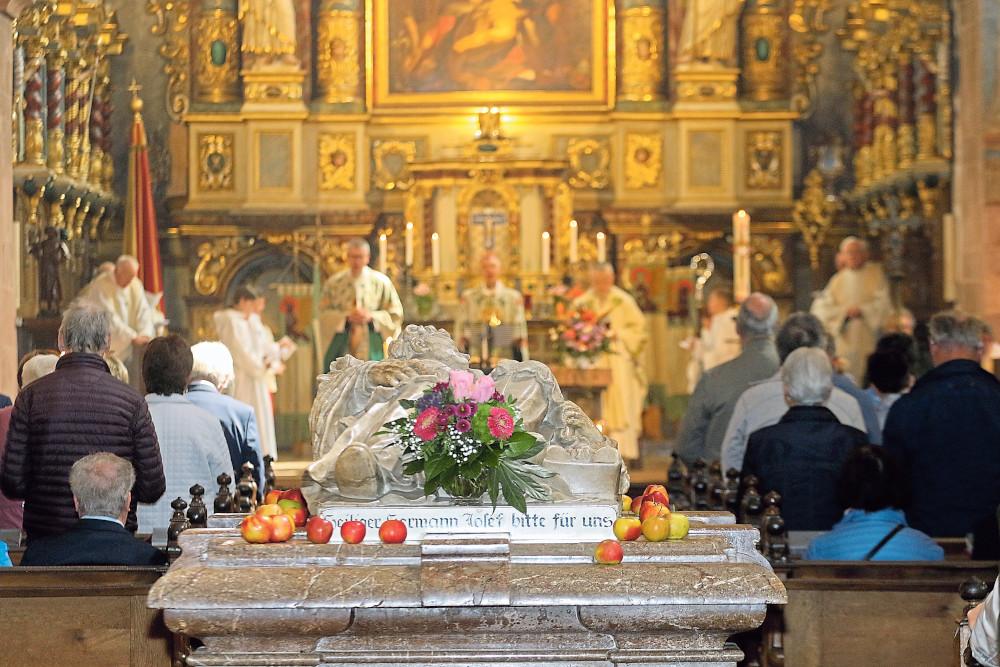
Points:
x=338, y=67
x=589, y=163
x=215, y=162
x=764, y=155
x=643, y=160
x=337, y=161
x=216, y=71
x=213, y=259
x=642, y=54
x=171, y=23
x=392, y=158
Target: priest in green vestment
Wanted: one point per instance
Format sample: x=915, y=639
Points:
x=360, y=307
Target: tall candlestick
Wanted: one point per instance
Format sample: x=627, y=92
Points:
x=741, y=255
x=948, y=256
x=383, y=253
x=408, y=244
x=573, y=241
x=546, y=252
x=435, y=254
x=602, y=247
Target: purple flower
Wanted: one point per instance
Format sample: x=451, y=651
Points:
x=466, y=409
x=451, y=410
x=442, y=419
x=498, y=397
x=463, y=425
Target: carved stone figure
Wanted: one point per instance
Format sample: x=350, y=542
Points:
x=708, y=35
x=50, y=252
x=355, y=460
x=268, y=33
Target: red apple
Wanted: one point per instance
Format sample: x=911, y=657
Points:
x=269, y=510
x=609, y=552
x=627, y=528
x=273, y=497
x=651, y=508
x=319, y=530
x=637, y=504
x=294, y=494
x=297, y=515
x=658, y=496
x=282, y=528
x=655, y=487
x=353, y=532
x=392, y=531
x=255, y=529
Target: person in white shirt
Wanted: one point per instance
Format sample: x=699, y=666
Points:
x=493, y=300
x=192, y=443
x=763, y=404
x=720, y=341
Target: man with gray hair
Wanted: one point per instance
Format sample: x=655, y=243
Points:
x=716, y=393
x=359, y=309
x=764, y=403
x=121, y=294
x=854, y=304
x=801, y=456
x=947, y=432
x=78, y=409
x=102, y=494
x=211, y=374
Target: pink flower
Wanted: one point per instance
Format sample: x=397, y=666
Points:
x=426, y=425
x=461, y=384
x=483, y=389
x=501, y=423
x=463, y=425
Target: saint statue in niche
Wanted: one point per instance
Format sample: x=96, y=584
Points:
x=268, y=33
x=708, y=33
x=50, y=252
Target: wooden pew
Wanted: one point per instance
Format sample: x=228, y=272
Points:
x=81, y=616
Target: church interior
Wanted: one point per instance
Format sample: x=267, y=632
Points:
x=625, y=199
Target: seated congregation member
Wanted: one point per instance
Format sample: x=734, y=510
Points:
x=946, y=431
x=192, y=442
x=32, y=366
x=4, y=555
x=101, y=485
x=717, y=391
x=763, y=404
x=78, y=409
x=874, y=527
x=889, y=375
x=211, y=375
x=802, y=455
x=984, y=621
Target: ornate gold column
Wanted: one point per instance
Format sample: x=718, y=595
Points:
x=34, y=107
x=641, y=25
x=216, y=53
x=927, y=135
x=765, y=58
x=907, y=137
x=56, y=77
x=338, y=49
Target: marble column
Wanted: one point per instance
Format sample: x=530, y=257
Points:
x=9, y=10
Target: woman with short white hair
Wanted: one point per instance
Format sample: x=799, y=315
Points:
x=801, y=456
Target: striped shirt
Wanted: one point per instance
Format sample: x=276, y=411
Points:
x=859, y=531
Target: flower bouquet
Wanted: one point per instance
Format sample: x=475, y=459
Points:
x=581, y=335
x=468, y=439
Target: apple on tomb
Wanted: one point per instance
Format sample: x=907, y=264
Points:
x=272, y=497
x=296, y=495
x=297, y=515
x=256, y=529
x=656, y=528
x=679, y=526
x=392, y=531
x=282, y=528
x=637, y=504
x=352, y=532
x=319, y=530
x=651, y=508
x=269, y=510
x=626, y=504
x=609, y=552
x=655, y=487
x=627, y=528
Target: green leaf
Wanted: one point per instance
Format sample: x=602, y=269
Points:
x=522, y=445
x=511, y=490
x=414, y=467
x=407, y=404
x=494, y=486
x=435, y=467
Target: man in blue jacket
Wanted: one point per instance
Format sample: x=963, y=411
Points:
x=211, y=375
x=947, y=433
x=102, y=492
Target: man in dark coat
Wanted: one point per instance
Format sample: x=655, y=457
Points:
x=77, y=410
x=801, y=456
x=947, y=433
x=101, y=485
x=211, y=374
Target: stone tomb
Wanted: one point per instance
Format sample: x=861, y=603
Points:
x=468, y=599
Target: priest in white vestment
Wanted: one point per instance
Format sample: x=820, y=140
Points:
x=492, y=301
x=120, y=292
x=623, y=400
x=360, y=308
x=251, y=362
x=854, y=305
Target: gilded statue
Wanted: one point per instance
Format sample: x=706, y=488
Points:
x=709, y=33
x=269, y=39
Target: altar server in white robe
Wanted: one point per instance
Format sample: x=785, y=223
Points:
x=854, y=304
x=360, y=308
x=624, y=398
x=120, y=292
x=250, y=361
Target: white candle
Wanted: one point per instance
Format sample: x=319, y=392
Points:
x=741, y=255
x=573, y=240
x=436, y=254
x=948, y=256
x=602, y=247
x=383, y=253
x=546, y=252
x=408, y=244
